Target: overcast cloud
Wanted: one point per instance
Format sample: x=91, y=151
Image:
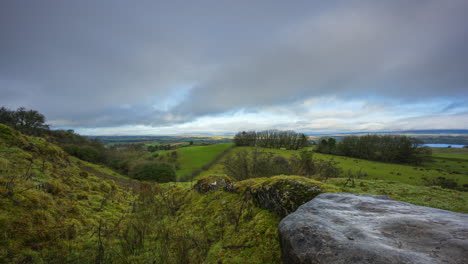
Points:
x=169, y=67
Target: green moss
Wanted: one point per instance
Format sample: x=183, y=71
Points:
x=46, y=204
x=7, y=134
x=240, y=231
x=11, y=137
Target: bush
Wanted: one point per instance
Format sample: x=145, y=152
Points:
x=302, y=164
x=442, y=182
x=159, y=172
x=244, y=165
x=87, y=153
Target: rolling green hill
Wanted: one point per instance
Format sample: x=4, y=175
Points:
x=49, y=205
x=385, y=171
x=454, y=160
x=195, y=157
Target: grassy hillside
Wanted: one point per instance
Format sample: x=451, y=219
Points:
x=49, y=205
x=385, y=171
x=454, y=160
x=195, y=157
x=58, y=209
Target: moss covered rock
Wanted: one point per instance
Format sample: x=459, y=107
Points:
x=282, y=194
x=214, y=183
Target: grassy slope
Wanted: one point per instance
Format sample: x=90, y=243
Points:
x=450, y=159
x=194, y=157
x=100, y=169
x=378, y=170
x=431, y=196
x=384, y=179
x=55, y=207
x=60, y=222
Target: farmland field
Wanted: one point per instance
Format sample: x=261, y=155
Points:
x=194, y=157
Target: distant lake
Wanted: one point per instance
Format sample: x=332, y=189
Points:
x=443, y=145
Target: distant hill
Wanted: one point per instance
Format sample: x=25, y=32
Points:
x=433, y=136
x=426, y=132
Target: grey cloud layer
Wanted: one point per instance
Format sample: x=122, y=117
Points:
x=110, y=63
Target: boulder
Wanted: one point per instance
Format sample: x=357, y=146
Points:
x=214, y=183
x=347, y=228
x=282, y=195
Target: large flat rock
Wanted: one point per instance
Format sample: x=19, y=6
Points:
x=348, y=228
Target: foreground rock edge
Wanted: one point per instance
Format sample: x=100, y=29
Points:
x=348, y=228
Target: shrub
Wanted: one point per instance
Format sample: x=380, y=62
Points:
x=302, y=164
x=442, y=182
x=159, y=172
x=87, y=153
x=281, y=165
x=245, y=165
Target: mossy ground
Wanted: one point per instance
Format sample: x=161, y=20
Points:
x=48, y=205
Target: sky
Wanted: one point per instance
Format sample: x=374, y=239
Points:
x=185, y=67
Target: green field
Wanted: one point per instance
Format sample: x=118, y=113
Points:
x=431, y=196
x=195, y=157
x=454, y=160
x=407, y=174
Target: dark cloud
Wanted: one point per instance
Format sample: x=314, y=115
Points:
x=409, y=52
x=112, y=63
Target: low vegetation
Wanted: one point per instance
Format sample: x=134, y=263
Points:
x=153, y=171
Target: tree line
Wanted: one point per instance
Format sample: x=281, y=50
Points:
x=242, y=165
x=385, y=148
x=154, y=148
x=276, y=139
x=29, y=122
